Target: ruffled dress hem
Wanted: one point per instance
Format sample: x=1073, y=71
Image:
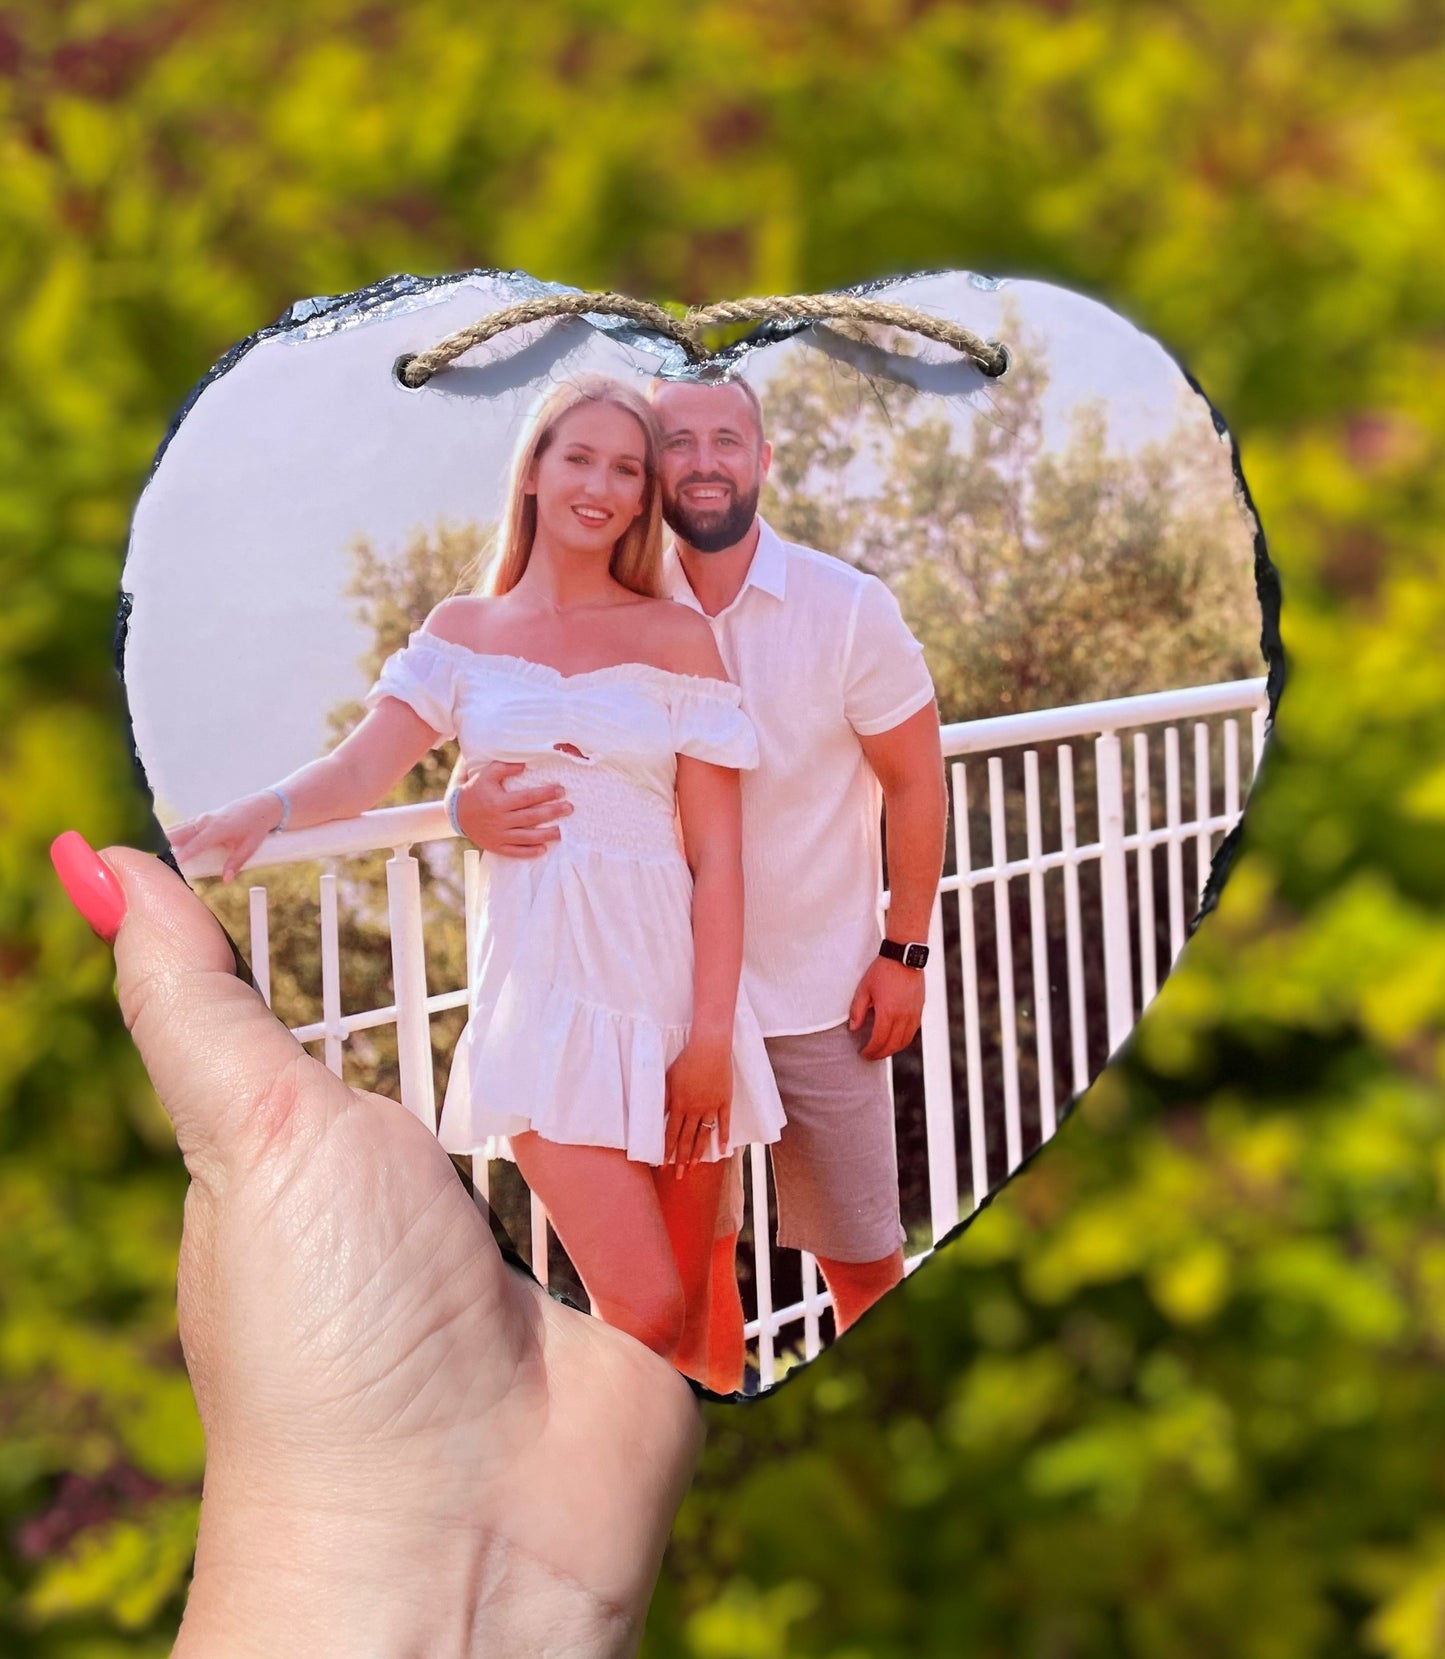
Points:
x=588, y=1076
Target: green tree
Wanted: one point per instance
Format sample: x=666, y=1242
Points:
x=1034, y=577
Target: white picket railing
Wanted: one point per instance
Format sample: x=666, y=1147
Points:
x=1128, y=908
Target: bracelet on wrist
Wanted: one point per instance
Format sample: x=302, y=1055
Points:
x=285, y=801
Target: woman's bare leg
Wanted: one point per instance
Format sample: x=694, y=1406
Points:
x=605, y=1211
x=690, y=1212
x=727, y=1348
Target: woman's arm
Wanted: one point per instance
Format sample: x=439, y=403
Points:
x=381, y=750
x=373, y=757
x=700, y=1082
x=710, y=804
x=709, y=800
x=368, y=762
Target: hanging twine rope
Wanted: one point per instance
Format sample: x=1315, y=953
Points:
x=989, y=356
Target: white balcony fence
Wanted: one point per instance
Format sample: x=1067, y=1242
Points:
x=1087, y=915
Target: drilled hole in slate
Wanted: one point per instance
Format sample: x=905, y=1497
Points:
x=997, y=374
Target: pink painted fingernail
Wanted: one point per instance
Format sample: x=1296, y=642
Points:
x=89, y=882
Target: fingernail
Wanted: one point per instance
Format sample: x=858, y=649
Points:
x=90, y=884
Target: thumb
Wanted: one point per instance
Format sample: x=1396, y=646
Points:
x=859, y=1006
x=504, y=768
x=229, y=1074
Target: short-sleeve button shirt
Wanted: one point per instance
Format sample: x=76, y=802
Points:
x=822, y=656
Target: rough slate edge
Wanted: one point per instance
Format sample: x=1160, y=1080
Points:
x=673, y=363
x=1267, y=592
x=342, y=309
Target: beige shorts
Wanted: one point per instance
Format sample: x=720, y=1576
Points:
x=835, y=1166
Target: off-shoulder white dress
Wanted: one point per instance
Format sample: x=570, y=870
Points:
x=582, y=970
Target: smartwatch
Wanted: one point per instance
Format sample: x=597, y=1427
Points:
x=911, y=956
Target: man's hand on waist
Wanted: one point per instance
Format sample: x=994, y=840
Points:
x=513, y=822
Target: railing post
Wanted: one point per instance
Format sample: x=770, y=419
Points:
x=471, y=903
x=763, y=1263
x=408, y=973
x=331, y=970
x=261, y=943
x=1073, y=921
x=968, y=950
x=1039, y=944
x=1003, y=950
x=938, y=1086
x=1114, y=885
x=814, y=1301
x=537, y=1214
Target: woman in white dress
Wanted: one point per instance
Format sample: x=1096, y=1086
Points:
x=608, y=1039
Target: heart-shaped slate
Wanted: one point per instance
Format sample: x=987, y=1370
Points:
x=1070, y=544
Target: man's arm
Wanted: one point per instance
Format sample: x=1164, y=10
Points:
x=908, y=762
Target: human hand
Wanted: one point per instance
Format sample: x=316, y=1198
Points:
x=699, y=1091
x=518, y=823
x=410, y=1446
x=237, y=829
x=895, y=994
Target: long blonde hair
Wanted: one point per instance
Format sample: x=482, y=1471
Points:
x=637, y=558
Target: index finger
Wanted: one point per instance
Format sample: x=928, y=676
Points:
x=858, y=1008
x=876, y=1048
x=194, y=840
x=687, y=1141
x=543, y=794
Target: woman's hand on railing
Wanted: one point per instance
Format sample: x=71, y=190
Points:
x=410, y=1447
x=236, y=830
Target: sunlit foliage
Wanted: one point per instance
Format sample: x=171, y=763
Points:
x=1178, y=1391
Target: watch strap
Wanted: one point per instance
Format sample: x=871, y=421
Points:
x=910, y=955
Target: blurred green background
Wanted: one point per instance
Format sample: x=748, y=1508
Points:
x=1179, y=1392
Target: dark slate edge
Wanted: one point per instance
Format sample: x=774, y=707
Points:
x=295, y=316
x=298, y=315
x=304, y=312
x=1267, y=589
x=672, y=365
x=1271, y=646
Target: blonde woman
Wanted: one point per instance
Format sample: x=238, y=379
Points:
x=608, y=1041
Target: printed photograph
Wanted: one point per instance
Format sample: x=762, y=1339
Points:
x=738, y=812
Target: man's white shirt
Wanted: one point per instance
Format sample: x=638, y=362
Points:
x=822, y=656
